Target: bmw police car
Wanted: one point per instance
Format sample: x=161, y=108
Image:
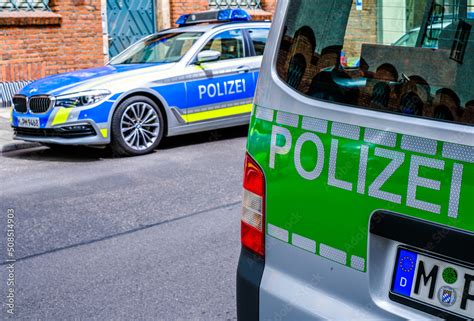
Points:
x=196, y=77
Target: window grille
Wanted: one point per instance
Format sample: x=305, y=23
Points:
x=226, y=4
x=24, y=5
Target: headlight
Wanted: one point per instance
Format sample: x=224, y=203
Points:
x=81, y=99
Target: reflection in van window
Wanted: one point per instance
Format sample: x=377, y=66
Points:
x=401, y=56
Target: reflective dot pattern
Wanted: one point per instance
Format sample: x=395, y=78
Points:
x=332, y=254
x=309, y=245
x=375, y=189
x=264, y=114
x=364, y=156
x=278, y=232
x=458, y=152
x=414, y=181
x=380, y=137
x=357, y=263
x=456, y=183
x=287, y=119
x=419, y=145
x=315, y=125
x=345, y=131
x=303, y=242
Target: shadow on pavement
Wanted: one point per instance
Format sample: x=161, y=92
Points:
x=73, y=154
x=89, y=154
x=204, y=137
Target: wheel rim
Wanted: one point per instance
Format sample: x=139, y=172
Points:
x=140, y=126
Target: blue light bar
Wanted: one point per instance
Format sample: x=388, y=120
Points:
x=213, y=16
x=182, y=19
x=233, y=15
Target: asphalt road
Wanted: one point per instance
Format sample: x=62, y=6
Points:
x=151, y=237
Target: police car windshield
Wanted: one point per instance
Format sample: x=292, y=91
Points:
x=162, y=48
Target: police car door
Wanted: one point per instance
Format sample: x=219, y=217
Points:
x=225, y=87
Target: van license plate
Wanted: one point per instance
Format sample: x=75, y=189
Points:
x=438, y=283
x=29, y=122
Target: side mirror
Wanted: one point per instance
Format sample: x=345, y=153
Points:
x=208, y=56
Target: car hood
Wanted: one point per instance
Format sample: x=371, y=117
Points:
x=94, y=78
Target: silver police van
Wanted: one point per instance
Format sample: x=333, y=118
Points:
x=359, y=171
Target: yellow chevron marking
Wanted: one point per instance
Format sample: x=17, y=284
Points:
x=61, y=116
x=104, y=132
x=217, y=113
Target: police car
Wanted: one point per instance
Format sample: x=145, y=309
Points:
x=359, y=177
x=199, y=76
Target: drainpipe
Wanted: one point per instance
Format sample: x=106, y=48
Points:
x=163, y=14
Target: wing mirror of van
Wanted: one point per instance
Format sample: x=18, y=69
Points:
x=208, y=56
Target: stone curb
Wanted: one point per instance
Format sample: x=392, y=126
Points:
x=10, y=147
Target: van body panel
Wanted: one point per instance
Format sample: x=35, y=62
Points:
x=329, y=168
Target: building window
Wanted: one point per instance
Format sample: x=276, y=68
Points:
x=24, y=5
x=244, y=4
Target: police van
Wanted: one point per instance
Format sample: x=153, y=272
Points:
x=198, y=76
x=359, y=176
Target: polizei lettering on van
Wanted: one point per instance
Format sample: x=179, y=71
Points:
x=328, y=157
x=222, y=88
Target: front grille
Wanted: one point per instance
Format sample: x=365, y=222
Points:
x=73, y=131
x=20, y=104
x=39, y=105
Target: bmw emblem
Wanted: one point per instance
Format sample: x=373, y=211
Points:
x=447, y=296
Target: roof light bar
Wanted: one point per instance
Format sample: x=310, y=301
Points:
x=213, y=16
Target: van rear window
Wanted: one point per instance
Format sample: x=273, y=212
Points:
x=401, y=56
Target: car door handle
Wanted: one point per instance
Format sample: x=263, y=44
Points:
x=243, y=69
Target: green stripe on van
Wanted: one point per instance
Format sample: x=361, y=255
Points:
x=325, y=179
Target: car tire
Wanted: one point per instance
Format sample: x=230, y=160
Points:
x=137, y=127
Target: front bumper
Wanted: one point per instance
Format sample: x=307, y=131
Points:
x=83, y=133
x=67, y=126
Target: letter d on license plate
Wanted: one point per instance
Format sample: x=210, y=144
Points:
x=440, y=284
x=29, y=122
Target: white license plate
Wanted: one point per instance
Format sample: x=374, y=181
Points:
x=29, y=122
x=440, y=284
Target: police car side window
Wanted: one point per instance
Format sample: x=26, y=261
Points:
x=259, y=38
x=229, y=43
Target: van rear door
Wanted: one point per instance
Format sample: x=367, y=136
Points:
x=367, y=151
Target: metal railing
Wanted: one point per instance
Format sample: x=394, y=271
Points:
x=8, y=90
x=24, y=5
x=226, y=4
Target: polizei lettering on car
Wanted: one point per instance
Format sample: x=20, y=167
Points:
x=222, y=88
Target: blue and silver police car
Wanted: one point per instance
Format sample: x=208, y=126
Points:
x=199, y=76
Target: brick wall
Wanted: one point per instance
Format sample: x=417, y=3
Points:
x=179, y=7
x=33, y=45
x=269, y=5
x=362, y=28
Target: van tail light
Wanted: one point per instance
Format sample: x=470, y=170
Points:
x=253, y=211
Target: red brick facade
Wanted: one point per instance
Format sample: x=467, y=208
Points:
x=37, y=44
x=179, y=7
x=40, y=44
